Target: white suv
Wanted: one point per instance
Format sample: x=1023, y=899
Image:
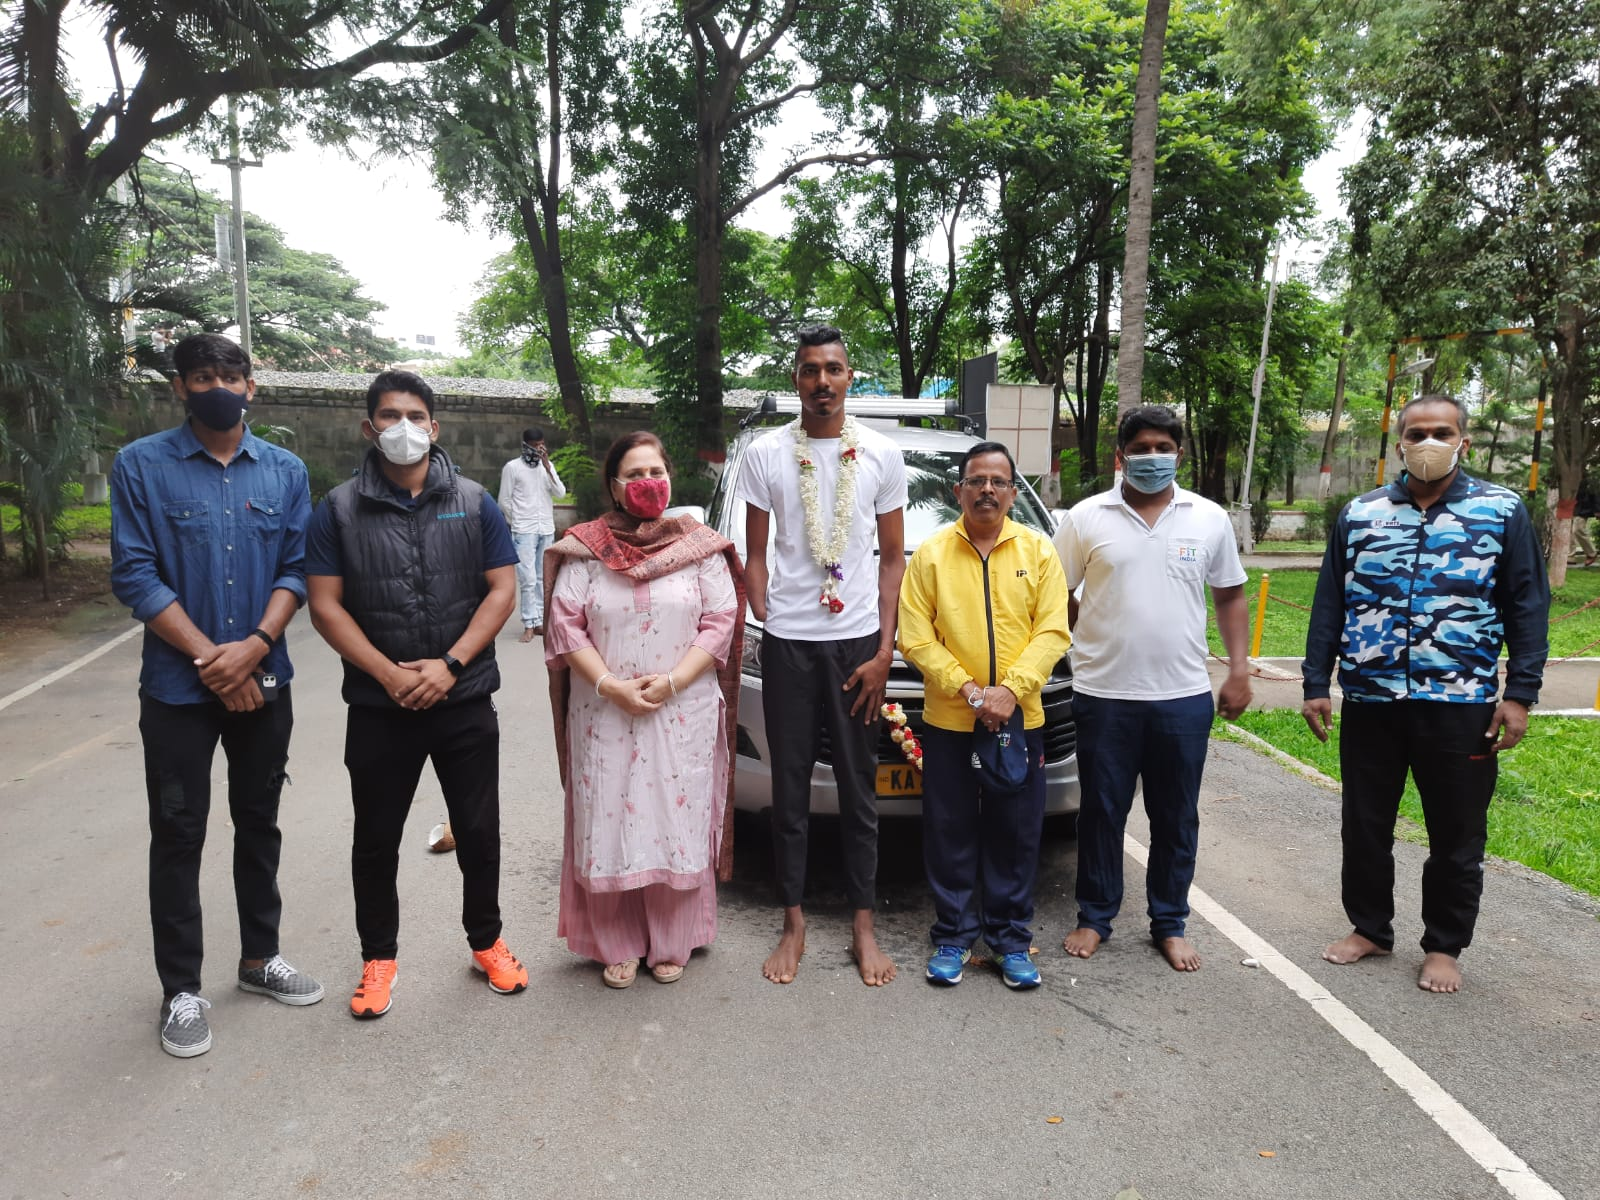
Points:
x=933, y=459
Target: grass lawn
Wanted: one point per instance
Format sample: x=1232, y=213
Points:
x=1291, y=547
x=1546, y=810
x=84, y=522
x=1284, y=630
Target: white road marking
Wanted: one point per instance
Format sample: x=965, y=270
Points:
x=39, y=685
x=1489, y=1152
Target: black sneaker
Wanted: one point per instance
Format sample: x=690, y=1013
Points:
x=279, y=980
x=184, y=1032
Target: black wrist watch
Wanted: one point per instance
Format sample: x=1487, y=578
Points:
x=454, y=664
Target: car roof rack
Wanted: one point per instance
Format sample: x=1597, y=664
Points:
x=897, y=408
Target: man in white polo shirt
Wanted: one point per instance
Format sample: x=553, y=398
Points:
x=825, y=487
x=1144, y=552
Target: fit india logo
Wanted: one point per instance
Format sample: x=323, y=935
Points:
x=1188, y=553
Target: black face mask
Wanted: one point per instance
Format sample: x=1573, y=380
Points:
x=219, y=408
x=530, y=454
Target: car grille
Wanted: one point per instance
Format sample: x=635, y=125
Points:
x=1060, y=733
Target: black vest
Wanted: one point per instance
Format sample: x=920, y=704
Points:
x=413, y=578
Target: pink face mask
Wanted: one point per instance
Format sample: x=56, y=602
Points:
x=646, y=498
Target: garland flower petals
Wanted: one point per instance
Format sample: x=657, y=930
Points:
x=900, y=733
x=828, y=551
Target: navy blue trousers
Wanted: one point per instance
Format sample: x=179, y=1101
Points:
x=1121, y=743
x=981, y=852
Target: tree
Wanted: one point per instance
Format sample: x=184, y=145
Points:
x=1048, y=133
x=878, y=222
x=1141, y=186
x=508, y=117
x=708, y=77
x=1484, y=177
x=307, y=311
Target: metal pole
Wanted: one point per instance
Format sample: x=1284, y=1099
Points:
x=1388, y=407
x=1260, y=378
x=1261, y=615
x=241, y=278
x=1538, y=436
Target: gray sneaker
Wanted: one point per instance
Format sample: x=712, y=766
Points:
x=184, y=1032
x=282, y=982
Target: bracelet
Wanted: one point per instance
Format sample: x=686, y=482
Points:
x=264, y=636
x=602, y=679
x=672, y=683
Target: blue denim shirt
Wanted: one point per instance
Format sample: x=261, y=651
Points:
x=218, y=540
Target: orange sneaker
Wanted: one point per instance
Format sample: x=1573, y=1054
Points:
x=372, y=997
x=506, y=975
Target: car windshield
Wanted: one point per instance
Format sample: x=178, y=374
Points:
x=930, y=476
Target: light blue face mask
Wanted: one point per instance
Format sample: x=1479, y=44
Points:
x=1150, y=473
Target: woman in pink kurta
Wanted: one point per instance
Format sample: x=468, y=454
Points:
x=641, y=623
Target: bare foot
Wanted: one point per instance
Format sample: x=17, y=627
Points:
x=876, y=969
x=1179, y=954
x=1440, y=973
x=784, y=961
x=1353, y=948
x=1081, y=943
x=527, y=634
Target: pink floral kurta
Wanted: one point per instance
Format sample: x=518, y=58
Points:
x=646, y=794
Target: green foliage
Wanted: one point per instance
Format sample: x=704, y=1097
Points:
x=306, y=311
x=1546, y=813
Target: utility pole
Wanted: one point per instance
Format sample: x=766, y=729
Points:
x=241, y=280
x=1247, y=535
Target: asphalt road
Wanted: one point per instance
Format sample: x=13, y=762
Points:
x=1221, y=1084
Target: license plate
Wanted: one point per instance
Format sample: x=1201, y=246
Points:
x=899, y=781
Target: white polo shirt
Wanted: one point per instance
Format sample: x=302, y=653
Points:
x=1141, y=628
x=769, y=478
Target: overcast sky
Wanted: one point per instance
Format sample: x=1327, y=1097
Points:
x=385, y=222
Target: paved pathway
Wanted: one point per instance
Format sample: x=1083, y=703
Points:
x=1223, y=1084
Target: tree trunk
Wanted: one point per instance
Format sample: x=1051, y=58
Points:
x=1141, y=189
x=1325, y=470
x=708, y=292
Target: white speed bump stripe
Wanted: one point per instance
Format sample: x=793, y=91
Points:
x=1489, y=1152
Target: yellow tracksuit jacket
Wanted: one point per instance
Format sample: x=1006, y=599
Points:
x=959, y=613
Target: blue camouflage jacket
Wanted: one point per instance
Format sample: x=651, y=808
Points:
x=1416, y=605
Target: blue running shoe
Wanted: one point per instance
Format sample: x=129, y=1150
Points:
x=1017, y=970
x=945, y=965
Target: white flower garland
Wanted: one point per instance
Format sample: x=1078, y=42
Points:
x=828, y=553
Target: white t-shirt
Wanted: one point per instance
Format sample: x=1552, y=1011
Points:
x=525, y=497
x=1141, y=628
x=769, y=478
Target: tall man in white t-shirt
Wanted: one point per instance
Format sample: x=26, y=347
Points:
x=1144, y=552
x=528, y=484
x=829, y=613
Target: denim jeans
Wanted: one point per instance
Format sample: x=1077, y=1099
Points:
x=530, y=574
x=1161, y=743
x=981, y=851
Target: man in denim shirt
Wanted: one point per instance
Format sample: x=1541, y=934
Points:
x=208, y=534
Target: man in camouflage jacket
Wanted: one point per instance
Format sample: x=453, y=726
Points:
x=1423, y=582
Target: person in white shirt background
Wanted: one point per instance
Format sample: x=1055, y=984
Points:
x=528, y=486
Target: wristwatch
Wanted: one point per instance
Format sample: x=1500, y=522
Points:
x=454, y=665
x=975, y=700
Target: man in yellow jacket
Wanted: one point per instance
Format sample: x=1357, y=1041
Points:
x=983, y=616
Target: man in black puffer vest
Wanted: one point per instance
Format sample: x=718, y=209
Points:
x=411, y=573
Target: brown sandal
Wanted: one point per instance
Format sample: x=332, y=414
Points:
x=621, y=975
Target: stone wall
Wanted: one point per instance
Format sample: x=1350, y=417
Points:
x=481, y=432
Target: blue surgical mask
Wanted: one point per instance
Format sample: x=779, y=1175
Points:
x=1150, y=473
x=217, y=408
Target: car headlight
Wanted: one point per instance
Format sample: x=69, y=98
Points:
x=750, y=659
